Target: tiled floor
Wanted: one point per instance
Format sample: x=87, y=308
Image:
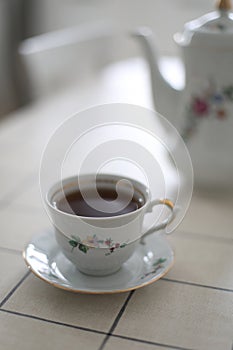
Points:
x=167, y=313
x=210, y=214
x=36, y=334
x=190, y=308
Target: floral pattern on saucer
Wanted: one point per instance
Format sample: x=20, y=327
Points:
x=45, y=259
x=158, y=264
x=94, y=242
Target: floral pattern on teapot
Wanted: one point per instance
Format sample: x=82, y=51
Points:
x=210, y=104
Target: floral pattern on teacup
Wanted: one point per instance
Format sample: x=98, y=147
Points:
x=94, y=242
x=211, y=103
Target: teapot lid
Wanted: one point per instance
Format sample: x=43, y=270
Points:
x=212, y=29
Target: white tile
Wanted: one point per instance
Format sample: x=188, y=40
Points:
x=202, y=260
x=21, y=333
x=125, y=344
x=13, y=180
x=18, y=226
x=30, y=198
x=210, y=214
x=12, y=269
x=35, y=297
x=21, y=152
x=180, y=315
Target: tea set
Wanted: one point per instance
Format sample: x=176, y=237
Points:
x=101, y=254
x=118, y=253
x=202, y=110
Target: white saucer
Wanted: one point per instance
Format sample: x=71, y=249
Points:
x=149, y=263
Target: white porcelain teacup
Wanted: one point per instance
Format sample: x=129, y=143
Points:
x=100, y=245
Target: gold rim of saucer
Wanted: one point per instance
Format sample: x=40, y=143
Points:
x=81, y=291
x=99, y=292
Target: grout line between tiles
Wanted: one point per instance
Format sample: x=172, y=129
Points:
x=117, y=319
x=22, y=208
x=86, y=329
x=162, y=345
x=53, y=322
x=10, y=250
x=122, y=310
x=14, y=289
x=202, y=235
x=197, y=285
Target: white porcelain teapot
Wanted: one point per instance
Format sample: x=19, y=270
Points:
x=203, y=110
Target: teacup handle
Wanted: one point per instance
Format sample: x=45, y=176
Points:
x=162, y=224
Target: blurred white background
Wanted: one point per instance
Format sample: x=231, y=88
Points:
x=164, y=17
x=22, y=19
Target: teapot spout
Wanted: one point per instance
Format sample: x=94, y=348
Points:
x=166, y=98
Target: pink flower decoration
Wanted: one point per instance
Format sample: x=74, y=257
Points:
x=200, y=106
x=108, y=242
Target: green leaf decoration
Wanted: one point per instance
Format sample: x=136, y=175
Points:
x=123, y=245
x=159, y=261
x=73, y=243
x=83, y=248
